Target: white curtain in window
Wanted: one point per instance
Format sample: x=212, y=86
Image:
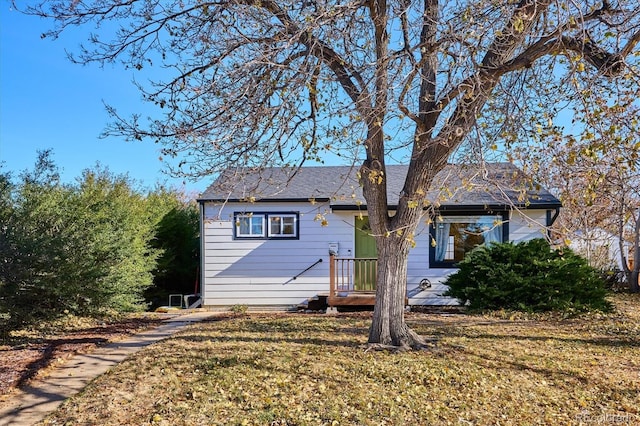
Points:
x=243, y=227
x=493, y=234
x=442, y=239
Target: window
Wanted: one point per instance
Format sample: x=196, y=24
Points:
x=282, y=225
x=259, y=225
x=455, y=236
x=250, y=226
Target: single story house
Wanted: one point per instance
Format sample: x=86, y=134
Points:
x=272, y=238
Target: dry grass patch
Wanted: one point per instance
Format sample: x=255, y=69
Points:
x=311, y=370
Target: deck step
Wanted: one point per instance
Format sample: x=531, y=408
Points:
x=315, y=303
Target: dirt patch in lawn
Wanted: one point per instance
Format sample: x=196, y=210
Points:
x=29, y=354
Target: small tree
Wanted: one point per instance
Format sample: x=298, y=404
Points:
x=117, y=240
x=34, y=251
x=594, y=166
x=6, y=247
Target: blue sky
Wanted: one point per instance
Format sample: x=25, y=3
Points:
x=48, y=102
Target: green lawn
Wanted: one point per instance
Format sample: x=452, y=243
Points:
x=313, y=369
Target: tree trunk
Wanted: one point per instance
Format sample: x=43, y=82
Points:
x=388, y=326
x=394, y=237
x=634, y=286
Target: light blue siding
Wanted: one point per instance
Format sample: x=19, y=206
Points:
x=260, y=272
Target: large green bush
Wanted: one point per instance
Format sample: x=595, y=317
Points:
x=88, y=248
x=529, y=276
x=177, y=237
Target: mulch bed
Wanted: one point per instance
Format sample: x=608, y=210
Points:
x=28, y=356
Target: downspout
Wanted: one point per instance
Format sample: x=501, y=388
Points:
x=551, y=220
x=202, y=256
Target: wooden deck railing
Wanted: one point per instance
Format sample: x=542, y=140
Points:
x=349, y=275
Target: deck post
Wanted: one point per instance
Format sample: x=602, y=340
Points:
x=332, y=278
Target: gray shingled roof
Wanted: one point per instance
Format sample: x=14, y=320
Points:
x=461, y=186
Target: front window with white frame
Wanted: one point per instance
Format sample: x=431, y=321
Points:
x=261, y=225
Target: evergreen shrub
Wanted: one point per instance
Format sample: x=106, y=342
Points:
x=528, y=276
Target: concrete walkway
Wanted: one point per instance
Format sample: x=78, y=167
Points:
x=34, y=402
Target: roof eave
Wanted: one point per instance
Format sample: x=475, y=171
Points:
x=265, y=200
x=464, y=207
x=444, y=207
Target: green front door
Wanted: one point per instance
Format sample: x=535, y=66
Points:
x=364, y=271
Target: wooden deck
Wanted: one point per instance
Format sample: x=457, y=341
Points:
x=352, y=299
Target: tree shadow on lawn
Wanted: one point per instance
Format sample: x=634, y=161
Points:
x=251, y=353
x=314, y=341
x=575, y=377
x=443, y=329
x=614, y=342
x=454, y=352
x=347, y=337
x=507, y=360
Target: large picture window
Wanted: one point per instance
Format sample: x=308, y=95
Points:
x=258, y=225
x=454, y=236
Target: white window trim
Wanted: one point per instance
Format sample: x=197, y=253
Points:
x=250, y=217
x=265, y=218
x=282, y=235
